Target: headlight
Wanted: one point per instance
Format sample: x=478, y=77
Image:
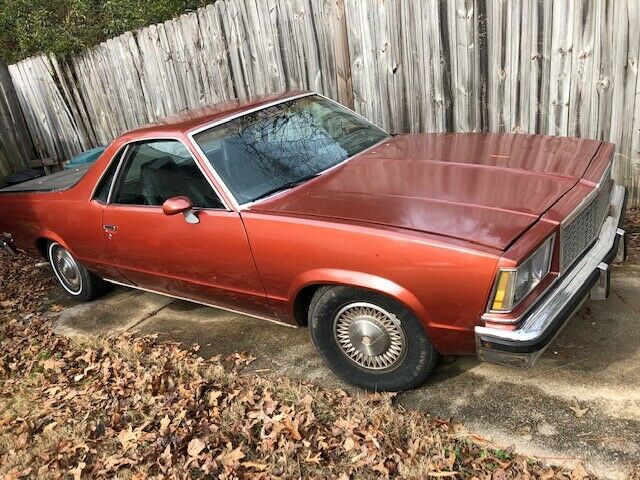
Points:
x=514, y=284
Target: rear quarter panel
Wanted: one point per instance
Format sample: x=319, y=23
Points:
x=444, y=282
x=68, y=217
x=71, y=220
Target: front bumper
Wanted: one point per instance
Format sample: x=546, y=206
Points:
x=522, y=346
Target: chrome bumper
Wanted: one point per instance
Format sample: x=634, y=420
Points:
x=589, y=277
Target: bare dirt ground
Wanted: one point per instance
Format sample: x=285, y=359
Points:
x=212, y=394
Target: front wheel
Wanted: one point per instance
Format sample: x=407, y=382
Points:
x=80, y=283
x=370, y=340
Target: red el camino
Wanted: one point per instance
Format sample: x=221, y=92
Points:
x=393, y=250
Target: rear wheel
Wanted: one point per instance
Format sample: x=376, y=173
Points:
x=370, y=340
x=73, y=276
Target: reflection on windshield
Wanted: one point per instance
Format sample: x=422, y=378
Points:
x=280, y=146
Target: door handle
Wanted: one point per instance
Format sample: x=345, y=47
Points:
x=110, y=228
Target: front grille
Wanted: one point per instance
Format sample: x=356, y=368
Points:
x=582, y=230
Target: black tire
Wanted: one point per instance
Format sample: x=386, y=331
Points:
x=84, y=285
x=410, y=369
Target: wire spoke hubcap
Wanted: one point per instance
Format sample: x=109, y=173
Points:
x=67, y=269
x=370, y=336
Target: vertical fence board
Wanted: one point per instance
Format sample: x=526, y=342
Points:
x=560, y=68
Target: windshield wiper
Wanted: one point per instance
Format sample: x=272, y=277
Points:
x=285, y=186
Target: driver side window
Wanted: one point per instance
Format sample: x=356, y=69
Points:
x=158, y=170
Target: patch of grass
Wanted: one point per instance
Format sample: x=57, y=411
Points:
x=504, y=455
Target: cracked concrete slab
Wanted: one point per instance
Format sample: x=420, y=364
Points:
x=581, y=401
x=120, y=310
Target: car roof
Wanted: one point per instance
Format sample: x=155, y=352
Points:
x=190, y=120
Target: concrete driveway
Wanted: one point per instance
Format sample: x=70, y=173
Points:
x=580, y=402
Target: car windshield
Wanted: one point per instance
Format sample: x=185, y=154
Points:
x=281, y=146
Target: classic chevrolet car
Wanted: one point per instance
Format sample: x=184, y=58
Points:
x=392, y=249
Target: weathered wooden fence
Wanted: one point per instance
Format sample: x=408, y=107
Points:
x=562, y=67
x=229, y=49
x=15, y=142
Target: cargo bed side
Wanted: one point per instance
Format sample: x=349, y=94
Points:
x=50, y=183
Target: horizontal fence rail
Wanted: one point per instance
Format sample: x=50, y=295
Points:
x=567, y=67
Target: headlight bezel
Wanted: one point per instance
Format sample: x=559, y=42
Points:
x=505, y=297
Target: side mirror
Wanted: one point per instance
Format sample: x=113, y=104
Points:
x=181, y=204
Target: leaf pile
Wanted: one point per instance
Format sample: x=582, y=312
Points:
x=22, y=287
x=148, y=409
x=136, y=408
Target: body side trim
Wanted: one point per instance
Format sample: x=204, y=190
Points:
x=240, y=312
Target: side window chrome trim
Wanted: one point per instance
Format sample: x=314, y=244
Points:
x=116, y=174
x=195, y=160
x=116, y=158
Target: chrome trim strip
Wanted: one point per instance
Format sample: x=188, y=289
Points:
x=544, y=312
x=116, y=174
x=239, y=312
x=518, y=359
x=223, y=185
x=586, y=200
x=228, y=118
x=104, y=172
x=352, y=111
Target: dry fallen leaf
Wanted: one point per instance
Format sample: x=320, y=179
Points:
x=579, y=473
x=499, y=474
x=164, y=425
x=53, y=364
x=230, y=457
x=577, y=409
x=349, y=444
x=255, y=465
x=195, y=447
x=127, y=437
x=77, y=472
x=49, y=426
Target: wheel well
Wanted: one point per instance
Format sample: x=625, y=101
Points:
x=302, y=302
x=41, y=245
x=303, y=299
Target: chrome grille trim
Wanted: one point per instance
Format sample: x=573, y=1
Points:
x=580, y=229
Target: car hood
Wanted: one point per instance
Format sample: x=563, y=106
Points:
x=483, y=188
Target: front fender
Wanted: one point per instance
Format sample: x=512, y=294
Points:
x=331, y=276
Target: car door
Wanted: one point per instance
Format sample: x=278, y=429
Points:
x=207, y=259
